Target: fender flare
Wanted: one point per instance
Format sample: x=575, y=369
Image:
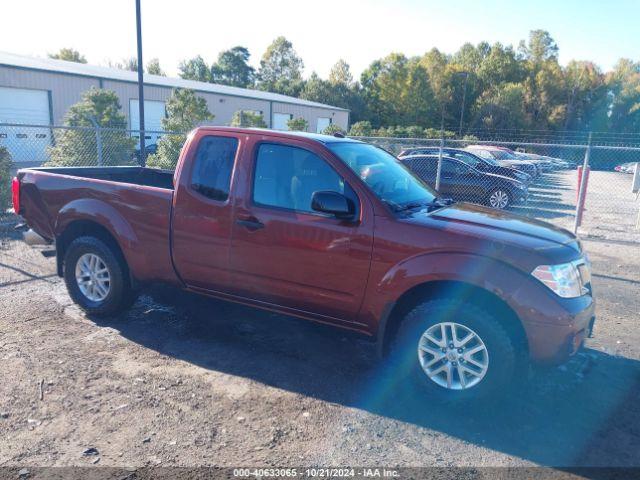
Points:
x=494, y=276
x=103, y=214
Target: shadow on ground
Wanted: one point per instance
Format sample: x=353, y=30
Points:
x=582, y=414
x=547, y=200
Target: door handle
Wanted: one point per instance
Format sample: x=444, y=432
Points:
x=250, y=223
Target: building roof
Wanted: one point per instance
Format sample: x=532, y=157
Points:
x=108, y=73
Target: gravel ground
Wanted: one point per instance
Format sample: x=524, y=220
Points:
x=187, y=381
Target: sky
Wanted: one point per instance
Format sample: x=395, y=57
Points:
x=322, y=32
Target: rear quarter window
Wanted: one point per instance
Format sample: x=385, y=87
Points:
x=213, y=164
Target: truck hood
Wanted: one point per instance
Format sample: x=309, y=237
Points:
x=478, y=223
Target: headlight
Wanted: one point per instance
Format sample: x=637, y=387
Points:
x=563, y=279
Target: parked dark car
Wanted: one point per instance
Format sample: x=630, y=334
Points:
x=148, y=150
x=462, y=182
x=486, y=165
x=333, y=230
x=504, y=157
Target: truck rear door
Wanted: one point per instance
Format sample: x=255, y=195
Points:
x=202, y=210
x=285, y=253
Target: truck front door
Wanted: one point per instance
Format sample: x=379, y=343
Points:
x=285, y=253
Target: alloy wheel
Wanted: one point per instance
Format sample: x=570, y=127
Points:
x=453, y=356
x=499, y=199
x=93, y=277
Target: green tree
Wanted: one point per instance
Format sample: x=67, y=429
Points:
x=501, y=107
x=185, y=110
x=195, y=69
x=441, y=80
x=397, y=91
x=339, y=90
x=499, y=65
x=340, y=74
x=281, y=69
x=543, y=83
x=68, y=54
x=361, y=129
x=232, y=68
x=298, y=124
x=333, y=128
x=540, y=47
x=585, y=94
x=79, y=146
x=318, y=90
x=623, y=112
x=153, y=68
x=243, y=118
x=5, y=179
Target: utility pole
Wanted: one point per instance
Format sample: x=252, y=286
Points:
x=143, y=153
x=464, y=98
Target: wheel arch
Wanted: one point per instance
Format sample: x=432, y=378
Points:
x=462, y=291
x=89, y=216
x=89, y=228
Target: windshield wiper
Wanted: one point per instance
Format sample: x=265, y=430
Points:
x=435, y=203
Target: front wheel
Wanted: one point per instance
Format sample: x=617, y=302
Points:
x=455, y=352
x=499, y=198
x=96, y=277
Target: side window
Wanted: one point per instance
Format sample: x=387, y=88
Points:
x=448, y=167
x=424, y=167
x=287, y=177
x=482, y=153
x=468, y=159
x=214, y=160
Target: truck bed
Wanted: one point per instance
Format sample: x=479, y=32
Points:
x=132, y=203
x=149, y=177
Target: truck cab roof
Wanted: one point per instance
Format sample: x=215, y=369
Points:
x=318, y=137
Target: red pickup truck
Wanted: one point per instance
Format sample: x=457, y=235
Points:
x=328, y=229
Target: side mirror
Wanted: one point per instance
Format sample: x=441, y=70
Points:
x=333, y=203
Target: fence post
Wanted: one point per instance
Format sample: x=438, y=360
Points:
x=583, y=186
x=99, y=144
x=439, y=170
x=96, y=126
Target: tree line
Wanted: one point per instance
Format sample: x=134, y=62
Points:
x=478, y=88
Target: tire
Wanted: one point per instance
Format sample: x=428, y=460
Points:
x=114, y=293
x=502, y=358
x=499, y=198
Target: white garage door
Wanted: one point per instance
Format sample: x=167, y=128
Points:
x=23, y=106
x=280, y=121
x=154, y=112
x=323, y=122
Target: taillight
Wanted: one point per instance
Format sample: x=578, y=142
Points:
x=15, y=194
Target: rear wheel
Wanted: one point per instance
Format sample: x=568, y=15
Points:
x=96, y=277
x=455, y=352
x=499, y=198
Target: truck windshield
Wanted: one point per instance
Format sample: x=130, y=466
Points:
x=385, y=175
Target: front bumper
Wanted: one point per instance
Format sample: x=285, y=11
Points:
x=554, y=343
x=520, y=196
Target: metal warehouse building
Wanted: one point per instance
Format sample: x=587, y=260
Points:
x=39, y=91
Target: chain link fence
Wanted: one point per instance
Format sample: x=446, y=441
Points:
x=539, y=179
x=35, y=145
x=536, y=179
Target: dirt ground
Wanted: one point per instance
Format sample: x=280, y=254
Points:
x=187, y=381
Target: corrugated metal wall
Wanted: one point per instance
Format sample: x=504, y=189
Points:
x=311, y=114
x=66, y=89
